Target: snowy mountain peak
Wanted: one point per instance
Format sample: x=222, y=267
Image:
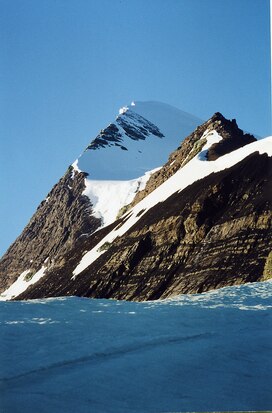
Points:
x=138, y=140
x=123, y=110
x=123, y=229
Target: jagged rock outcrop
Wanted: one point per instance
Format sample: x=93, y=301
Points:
x=233, y=138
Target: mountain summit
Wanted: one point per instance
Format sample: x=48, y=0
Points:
x=120, y=225
x=139, y=140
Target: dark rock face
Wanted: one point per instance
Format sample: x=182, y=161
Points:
x=52, y=231
x=233, y=137
x=216, y=232
x=136, y=127
x=107, y=137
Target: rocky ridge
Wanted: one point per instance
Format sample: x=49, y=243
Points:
x=59, y=221
x=233, y=138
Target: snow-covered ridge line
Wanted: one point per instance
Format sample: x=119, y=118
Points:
x=194, y=170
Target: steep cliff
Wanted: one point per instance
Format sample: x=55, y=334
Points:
x=52, y=231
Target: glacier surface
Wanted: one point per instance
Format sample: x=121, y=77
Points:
x=204, y=352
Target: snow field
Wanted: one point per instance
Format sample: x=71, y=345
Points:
x=108, y=197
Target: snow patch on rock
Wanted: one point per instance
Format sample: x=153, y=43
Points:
x=22, y=283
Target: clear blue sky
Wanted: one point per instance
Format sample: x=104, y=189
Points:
x=68, y=65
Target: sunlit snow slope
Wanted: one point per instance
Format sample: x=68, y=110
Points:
x=207, y=352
